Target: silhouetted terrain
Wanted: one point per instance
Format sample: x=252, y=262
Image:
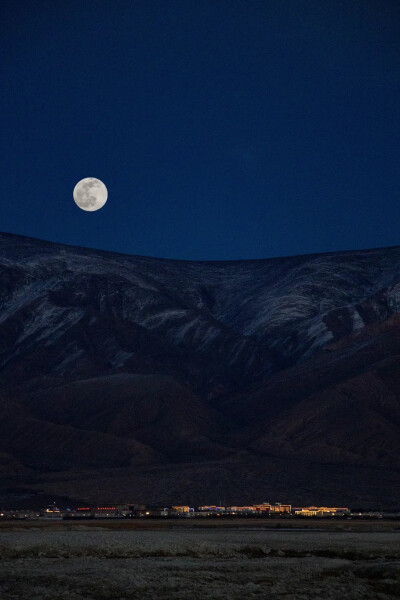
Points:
x=133, y=378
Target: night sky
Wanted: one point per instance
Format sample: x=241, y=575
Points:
x=223, y=129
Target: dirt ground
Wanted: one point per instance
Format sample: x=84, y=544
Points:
x=332, y=524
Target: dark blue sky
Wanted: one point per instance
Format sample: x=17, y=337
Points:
x=222, y=128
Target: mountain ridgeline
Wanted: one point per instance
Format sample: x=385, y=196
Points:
x=134, y=378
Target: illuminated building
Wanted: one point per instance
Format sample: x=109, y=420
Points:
x=281, y=508
x=265, y=507
x=51, y=512
x=320, y=511
x=84, y=511
x=105, y=511
x=182, y=509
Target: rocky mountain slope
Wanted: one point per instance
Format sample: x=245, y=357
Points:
x=110, y=361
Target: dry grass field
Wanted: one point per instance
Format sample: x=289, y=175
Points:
x=212, y=560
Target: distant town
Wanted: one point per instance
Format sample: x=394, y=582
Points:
x=130, y=511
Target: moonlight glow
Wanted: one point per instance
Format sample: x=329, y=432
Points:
x=90, y=194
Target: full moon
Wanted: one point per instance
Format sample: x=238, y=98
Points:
x=90, y=194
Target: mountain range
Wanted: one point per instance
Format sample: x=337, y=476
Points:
x=128, y=378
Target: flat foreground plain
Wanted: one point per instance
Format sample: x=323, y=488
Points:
x=182, y=561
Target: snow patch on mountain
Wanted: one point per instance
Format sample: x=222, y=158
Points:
x=239, y=310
